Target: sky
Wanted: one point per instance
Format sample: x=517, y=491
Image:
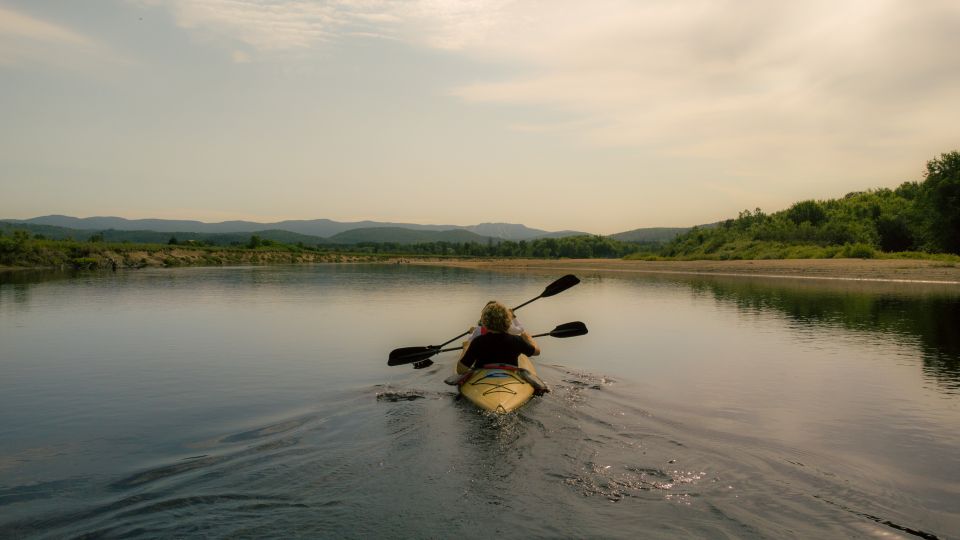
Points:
x=600, y=116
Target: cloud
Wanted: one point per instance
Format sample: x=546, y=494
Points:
x=278, y=26
x=290, y=25
x=737, y=81
x=812, y=84
x=263, y=25
x=25, y=40
x=655, y=71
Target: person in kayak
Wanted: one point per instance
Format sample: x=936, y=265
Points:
x=499, y=339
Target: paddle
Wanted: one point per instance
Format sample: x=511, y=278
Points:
x=552, y=289
x=412, y=355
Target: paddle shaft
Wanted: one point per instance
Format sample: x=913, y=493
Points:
x=415, y=355
x=461, y=347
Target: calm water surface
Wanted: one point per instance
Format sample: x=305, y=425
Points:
x=256, y=402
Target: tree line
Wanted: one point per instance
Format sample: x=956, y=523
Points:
x=575, y=247
x=23, y=248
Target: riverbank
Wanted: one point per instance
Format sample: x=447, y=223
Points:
x=890, y=270
x=105, y=258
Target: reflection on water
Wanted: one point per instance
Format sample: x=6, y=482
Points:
x=928, y=316
x=256, y=402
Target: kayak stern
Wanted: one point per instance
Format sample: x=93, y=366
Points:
x=497, y=388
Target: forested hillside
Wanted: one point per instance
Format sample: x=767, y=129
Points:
x=580, y=247
x=915, y=217
x=398, y=235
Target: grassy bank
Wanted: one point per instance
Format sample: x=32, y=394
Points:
x=24, y=252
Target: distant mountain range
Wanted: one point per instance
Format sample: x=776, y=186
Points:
x=400, y=235
x=323, y=228
x=316, y=231
x=154, y=237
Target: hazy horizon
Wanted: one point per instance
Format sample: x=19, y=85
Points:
x=602, y=117
x=398, y=223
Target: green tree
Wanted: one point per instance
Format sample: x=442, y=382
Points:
x=20, y=237
x=807, y=211
x=942, y=202
x=895, y=233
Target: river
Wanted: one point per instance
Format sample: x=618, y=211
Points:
x=257, y=402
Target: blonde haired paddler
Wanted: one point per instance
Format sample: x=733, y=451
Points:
x=499, y=339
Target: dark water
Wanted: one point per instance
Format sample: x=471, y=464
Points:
x=256, y=402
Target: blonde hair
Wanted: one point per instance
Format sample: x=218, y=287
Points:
x=495, y=316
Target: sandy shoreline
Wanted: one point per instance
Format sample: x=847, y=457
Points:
x=879, y=270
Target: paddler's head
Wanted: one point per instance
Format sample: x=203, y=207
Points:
x=496, y=317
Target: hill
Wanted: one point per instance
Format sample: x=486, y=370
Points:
x=380, y=235
x=47, y=231
x=399, y=235
x=322, y=228
x=516, y=232
x=913, y=217
x=310, y=232
x=650, y=234
x=156, y=237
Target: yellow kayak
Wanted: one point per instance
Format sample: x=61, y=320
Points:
x=497, y=387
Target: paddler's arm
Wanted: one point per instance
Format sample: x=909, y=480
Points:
x=474, y=333
x=533, y=343
x=461, y=366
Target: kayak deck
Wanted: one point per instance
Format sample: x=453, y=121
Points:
x=496, y=387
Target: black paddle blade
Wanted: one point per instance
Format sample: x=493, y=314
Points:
x=560, y=285
x=409, y=355
x=423, y=364
x=570, y=329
